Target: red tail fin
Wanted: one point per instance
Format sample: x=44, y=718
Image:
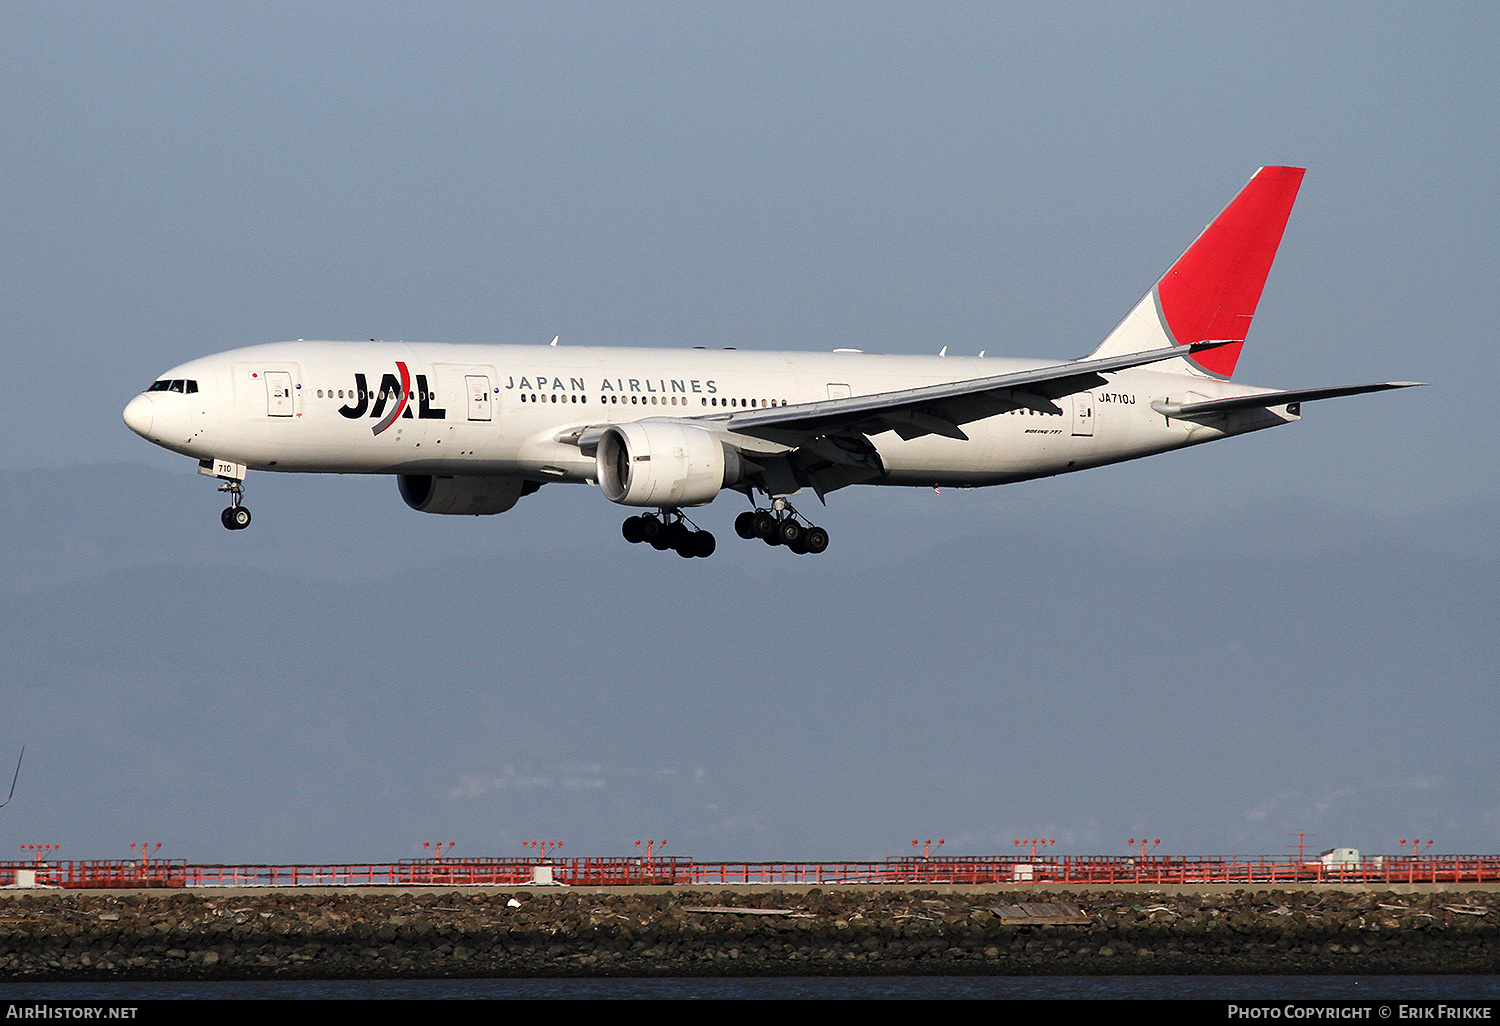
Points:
x=1210, y=293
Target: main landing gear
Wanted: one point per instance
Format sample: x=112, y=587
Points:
x=669, y=529
x=235, y=517
x=781, y=525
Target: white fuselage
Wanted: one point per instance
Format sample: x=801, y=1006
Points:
x=325, y=407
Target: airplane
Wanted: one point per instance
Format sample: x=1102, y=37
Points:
x=470, y=429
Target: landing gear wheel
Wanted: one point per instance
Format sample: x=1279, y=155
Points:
x=651, y=528
x=789, y=533
x=765, y=524
x=667, y=537
x=633, y=530
x=704, y=544
x=744, y=525
x=815, y=540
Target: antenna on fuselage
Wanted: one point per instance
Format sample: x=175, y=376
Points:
x=14, y=779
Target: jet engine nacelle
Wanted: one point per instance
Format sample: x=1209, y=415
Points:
x=461, y=496
x=664, y=463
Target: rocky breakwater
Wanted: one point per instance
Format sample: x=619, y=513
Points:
x=844, y=931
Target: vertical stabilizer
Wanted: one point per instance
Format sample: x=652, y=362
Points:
x=1211, y=292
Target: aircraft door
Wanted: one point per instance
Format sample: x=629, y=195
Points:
x=479, y=400
x=278, y=394
x=1083, y=414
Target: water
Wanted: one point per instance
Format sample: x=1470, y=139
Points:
x=1034, y=988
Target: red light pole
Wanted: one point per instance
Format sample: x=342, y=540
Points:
x=1142, y=862
x=927, y=848
x=1411, y=869
x=1036, y=841
x=437, y=849
x=650, y=845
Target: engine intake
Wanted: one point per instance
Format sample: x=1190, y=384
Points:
x=664, y=463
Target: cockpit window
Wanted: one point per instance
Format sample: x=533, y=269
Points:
x=174, y=385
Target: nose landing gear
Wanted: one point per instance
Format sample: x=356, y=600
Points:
x=236, y=517
x=669, y=529
x=782, y=525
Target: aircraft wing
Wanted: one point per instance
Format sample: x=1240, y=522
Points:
x=1265, y=399
x=826, y=444
x=941, y=409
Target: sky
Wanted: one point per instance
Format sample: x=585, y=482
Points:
x=1287, y=633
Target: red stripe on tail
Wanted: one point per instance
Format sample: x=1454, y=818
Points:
x=1211, y=292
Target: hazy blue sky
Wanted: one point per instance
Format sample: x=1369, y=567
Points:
x=1291, y=631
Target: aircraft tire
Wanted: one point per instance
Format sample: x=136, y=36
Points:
x=236, y=518
x=633, y=530
x=815, y=540
x=744, y=525
x=790, y=533
x=670, y=537
x=765, y=526
x=704, y=544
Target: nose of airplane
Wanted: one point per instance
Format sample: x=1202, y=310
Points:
x=138, y=415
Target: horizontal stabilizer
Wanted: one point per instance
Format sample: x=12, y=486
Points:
x=1264, y=400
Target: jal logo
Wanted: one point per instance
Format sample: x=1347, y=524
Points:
x=396, y=392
